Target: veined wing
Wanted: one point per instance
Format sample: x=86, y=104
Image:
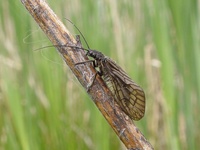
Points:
x=128, y=94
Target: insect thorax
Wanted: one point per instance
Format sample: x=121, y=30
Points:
x=96, y=55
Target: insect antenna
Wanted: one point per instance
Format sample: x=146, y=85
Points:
x=48, y=47
x=79, y=32
x=68, y=45
x=61, y=46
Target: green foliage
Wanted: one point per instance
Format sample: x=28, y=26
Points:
x=42, y=105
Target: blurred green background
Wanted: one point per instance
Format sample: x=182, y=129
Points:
x=42, y=105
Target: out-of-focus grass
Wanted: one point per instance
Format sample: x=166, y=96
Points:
x=42, y=106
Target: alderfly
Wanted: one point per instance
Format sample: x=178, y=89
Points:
x=127, y=94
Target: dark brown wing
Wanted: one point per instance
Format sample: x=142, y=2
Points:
x=129, y=96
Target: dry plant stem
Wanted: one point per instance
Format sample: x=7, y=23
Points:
x=100, y=94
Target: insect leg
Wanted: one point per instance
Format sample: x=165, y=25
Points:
x=84, y=62
x=94, y=77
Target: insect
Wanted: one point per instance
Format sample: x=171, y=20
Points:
x=127, y=94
